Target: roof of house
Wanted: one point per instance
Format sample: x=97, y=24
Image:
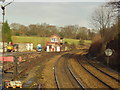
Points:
x=55, y=35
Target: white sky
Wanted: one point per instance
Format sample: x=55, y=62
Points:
x=57, y=0
x=55, y=12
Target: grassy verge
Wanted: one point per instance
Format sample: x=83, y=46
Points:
x=34, y=40
x=42, y=40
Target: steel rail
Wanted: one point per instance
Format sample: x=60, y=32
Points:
x=94, y=75
x=55, y=74
x=72, y=74
x=9, y=68
x=20, y=62
x=82, y=87
x=103, y=72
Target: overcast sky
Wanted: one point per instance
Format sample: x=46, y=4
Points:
x=55, y=13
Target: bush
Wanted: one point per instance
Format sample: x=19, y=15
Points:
x=95, y=48
x=73, y=46
x=17, y=34
x=66, y=43
x=81, y=42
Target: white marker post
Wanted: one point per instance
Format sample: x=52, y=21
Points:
x=108, y=53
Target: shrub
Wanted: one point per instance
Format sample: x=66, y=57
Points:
x=81, y=42
x=95, y=48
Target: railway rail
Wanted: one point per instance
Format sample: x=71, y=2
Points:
x=72, y=73
x=23, y=67
x=21, y=63
x=85, y=77
x=26, y=67
x=102, y=71
x=66, y=73
x=105, y=79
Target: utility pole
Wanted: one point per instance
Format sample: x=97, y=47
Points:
x=3, y=13
x=3, y=9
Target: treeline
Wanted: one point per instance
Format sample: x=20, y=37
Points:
x=46, y=30
x=106, y=19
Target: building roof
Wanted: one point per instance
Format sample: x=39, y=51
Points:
x=55, y=35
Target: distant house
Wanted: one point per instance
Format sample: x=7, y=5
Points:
x=54, y=44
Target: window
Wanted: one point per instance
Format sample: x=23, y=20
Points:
x=54, y=40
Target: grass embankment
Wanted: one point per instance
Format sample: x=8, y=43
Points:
x=42, y=40
x=76, y=41
x=34, y=40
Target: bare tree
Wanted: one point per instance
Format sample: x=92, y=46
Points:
x=116, y=5
x=102, y=19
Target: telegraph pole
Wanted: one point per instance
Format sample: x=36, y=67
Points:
x=3, y=9
x=3, y=13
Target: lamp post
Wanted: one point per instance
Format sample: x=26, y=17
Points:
x=3, y=13
x=3, y=9
x=2, y=1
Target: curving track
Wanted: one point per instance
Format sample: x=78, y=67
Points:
x=85, y=77
x=64, y=76
x=71, y=75
x=111, y=74
x=73, y=71
x=106, y=79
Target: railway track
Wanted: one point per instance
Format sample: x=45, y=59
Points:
x=28, y=66
x=12, y=67
x=71, y=79
x=80, y=84
x=21, y=63
x=24, y=69
x=87, y=80
x=103, y=78
x=113, y=76
x=64, y=76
